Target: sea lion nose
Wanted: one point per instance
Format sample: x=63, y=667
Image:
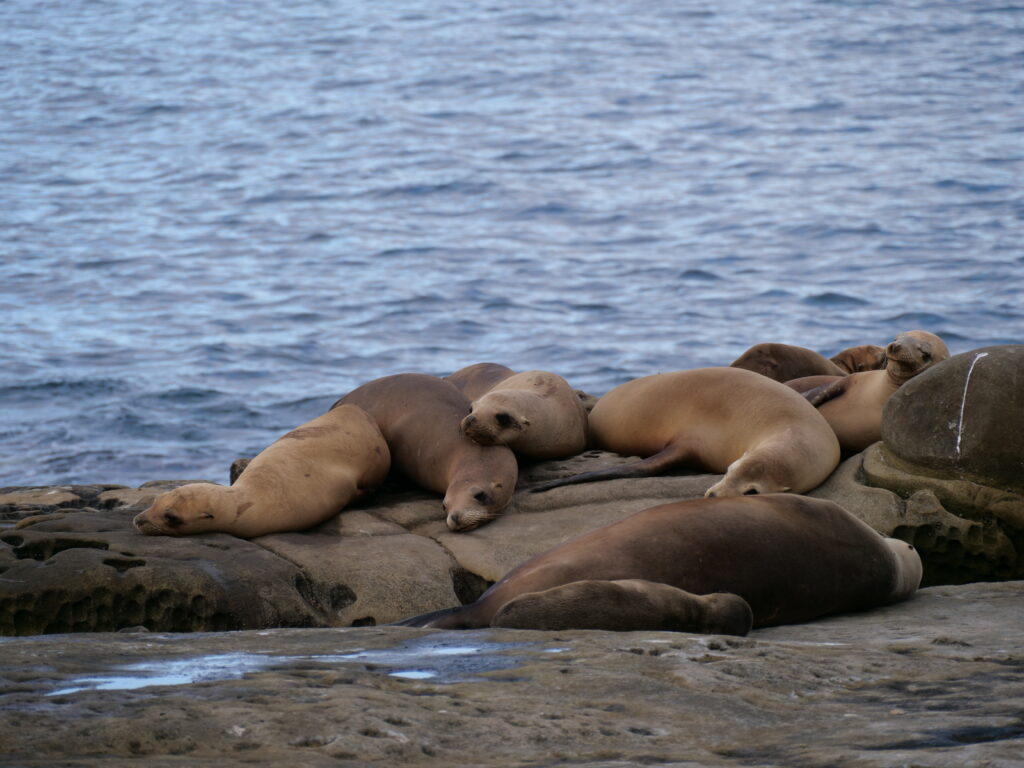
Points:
x=469, y=420
x=894, y=348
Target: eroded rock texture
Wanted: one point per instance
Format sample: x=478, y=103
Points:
x=934, y=681
x=953, y=450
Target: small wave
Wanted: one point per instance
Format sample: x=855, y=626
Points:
x=831, y=299
x=699, y=274
x=42, y=390
x=447, y=188
x=398, y=252
x=547, y=209
x=290, y=196
x=923, y=320
x=184, y=395
x=969, y=187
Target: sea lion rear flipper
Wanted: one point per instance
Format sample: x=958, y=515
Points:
x=826, y=392
x=667, y=457
x=427, y=619
x=625, y=606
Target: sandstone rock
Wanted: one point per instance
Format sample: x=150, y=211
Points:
x=930, y=682
x=86, y=568
x=963, y=419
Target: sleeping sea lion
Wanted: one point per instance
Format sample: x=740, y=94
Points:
x=783, y=362
x=789, y=558
x=304, y=478
x=419, y=416
x=536, y=414
x=866, y=357
x=853, y=404
x=758, y=432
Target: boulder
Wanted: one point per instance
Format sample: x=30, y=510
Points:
x=952, y=451
x=963, y=419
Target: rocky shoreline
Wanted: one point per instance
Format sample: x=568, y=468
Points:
x=70, y=560
x=205, y=649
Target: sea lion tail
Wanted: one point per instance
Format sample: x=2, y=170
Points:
x=610, y=473
x=668, y=456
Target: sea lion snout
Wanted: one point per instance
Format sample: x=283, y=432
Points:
x=144, y=525
x=467, y=519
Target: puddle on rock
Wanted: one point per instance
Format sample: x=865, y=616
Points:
x=198, y=669
x=421, y=659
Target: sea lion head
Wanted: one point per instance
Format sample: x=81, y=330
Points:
x=909, y=569
x=192, y=508
x=496, y=419
x=912, y=352
x=469, y=505
x=748, y=477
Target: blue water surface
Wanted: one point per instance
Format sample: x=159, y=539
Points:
x=219, y=217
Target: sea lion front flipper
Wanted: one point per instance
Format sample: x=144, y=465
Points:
x=826, y=392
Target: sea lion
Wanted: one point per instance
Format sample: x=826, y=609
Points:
x=791, y=558
x=477, y=380
x=625, y=605
x=783, y=362
x=758, y=432
x=866, y=357
x=420, y=416
x=807, y=383
x=536, y=414
x=303, y=478
x=853, y=404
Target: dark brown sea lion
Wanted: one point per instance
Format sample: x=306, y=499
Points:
x=626, y=605
x=420, y=417
x=866, y=357
x=305, y=477
x=783, y=362
x=536, y=414
x=760, y=433
x=853, y=404
x=791, y=558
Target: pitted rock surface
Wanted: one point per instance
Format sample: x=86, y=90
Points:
x=934, y=681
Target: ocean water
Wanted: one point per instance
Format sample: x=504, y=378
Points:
x=219, y=217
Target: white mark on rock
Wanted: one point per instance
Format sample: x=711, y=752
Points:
x=963, y=400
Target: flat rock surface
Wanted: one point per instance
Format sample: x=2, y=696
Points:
x=936, y=681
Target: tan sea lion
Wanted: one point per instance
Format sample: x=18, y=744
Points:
x=536, y=414
x=476, y=380
x=420, y=416
x=758, y=432
x=866, y=357
x=783, y=362
x=305, y=477
x=791, y=558
x=853, y=404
